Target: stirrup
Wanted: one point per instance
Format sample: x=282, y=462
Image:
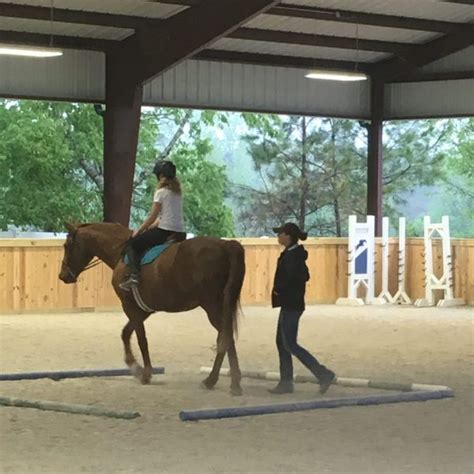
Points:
x=132, y=282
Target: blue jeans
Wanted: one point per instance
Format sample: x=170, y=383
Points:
x=286, y=341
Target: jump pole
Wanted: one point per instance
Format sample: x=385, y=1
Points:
x=68, y=408
x=72, y=374
x=232, y=412
x=340, y=381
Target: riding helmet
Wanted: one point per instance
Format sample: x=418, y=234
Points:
x=165, y=168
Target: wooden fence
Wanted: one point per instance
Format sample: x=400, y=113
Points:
x=29, y=274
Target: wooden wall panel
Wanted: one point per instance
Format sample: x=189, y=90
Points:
x=29, y=274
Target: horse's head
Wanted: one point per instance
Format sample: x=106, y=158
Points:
x=76, y=255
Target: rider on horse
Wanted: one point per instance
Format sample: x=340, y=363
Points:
x=164, y=222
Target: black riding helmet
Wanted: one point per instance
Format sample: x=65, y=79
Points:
x=165, y=168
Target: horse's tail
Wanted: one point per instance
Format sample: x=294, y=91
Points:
x=233, y=286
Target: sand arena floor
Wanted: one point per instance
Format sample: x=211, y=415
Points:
x=431, y=346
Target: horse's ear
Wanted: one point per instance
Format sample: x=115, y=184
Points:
x=70, y=227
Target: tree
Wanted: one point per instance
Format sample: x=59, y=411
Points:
x=40, y=181
x=179, y=136
x=51, y=160
x=313, y=171
x=310, y=171
x=415, y=152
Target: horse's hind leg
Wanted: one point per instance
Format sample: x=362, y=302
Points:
x=235, y=374
x=213, y=377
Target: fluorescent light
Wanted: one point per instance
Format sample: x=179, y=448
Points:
x=336, y=75
x=30, y=51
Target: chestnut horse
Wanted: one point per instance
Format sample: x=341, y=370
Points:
x=203, y=271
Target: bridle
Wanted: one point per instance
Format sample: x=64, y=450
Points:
x=89, y=265
x=74, y=275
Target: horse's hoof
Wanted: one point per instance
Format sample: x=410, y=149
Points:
x=145, y=380
x=136, y=370
x=205, y=384
x=146, y=376
x=236, y=391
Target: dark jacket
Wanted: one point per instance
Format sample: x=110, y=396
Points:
x=291, y=275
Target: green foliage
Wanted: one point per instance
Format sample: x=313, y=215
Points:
x=311, y=172
x=51, y=162
x=318, y=178
x=203, y=182
x=41, y=184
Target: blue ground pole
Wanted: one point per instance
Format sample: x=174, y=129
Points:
x=217, y=413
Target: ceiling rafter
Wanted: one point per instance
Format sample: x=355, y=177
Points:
x=153, y=51
x=288, y=37
x=419, y=76
x=348, y=16
x=278, y=60
x=421, y=55
x=60, y=41
x=124, y=21
x=75, y=42
x=83, y=17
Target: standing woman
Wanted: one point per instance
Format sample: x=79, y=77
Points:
x=165, y=220
x=288, y=293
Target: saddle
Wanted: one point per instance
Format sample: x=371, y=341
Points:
x=154, y=252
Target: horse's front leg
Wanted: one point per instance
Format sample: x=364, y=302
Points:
x=136, y=318
x=135, y=368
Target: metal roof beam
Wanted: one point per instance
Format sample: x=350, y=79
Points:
x=435, y=76
x=288, y=37
x=464, y=2
x=277, y=60
x=421, y=55
x=75, y=42
x=67, y=42
x=347, y=16
x=152, y=52
x=74, y=16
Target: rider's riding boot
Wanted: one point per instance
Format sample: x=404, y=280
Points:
x=134, y=267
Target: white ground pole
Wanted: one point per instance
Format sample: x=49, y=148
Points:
x=385, y=294
x=341, y=381
x=445, y=282
x=360, y=258
x=401, y=296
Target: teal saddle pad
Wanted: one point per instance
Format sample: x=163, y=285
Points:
x=151, y=254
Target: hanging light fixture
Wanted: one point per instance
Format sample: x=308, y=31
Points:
x=29, y=51
x=333, y=75
x=339, y=75
x=34, y=51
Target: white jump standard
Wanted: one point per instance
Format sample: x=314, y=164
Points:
x=401, y=295
x=361, y=252
x=445, y=282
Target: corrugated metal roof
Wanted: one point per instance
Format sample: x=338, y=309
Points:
x=250, y=46
x=123, y=7
x=80, y=75
x=428, y=9
x=332, y=28
x=67, y=29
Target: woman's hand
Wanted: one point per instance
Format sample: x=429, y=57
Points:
x=136, y=232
